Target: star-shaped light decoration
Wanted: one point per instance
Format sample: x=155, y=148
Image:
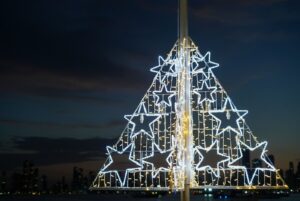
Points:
x=164, y=68
x=164, y=96
x=159, y=160
x=116, y=161
x=229, y=118
x=205, y=93
x=250, y=175
x=142, y=121
x=207, y=64
x=207, y=155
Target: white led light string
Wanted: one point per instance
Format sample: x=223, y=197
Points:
x=161, y=106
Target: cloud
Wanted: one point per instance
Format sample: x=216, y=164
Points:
x=258, y=2
x=67, y=48
x=15, y=77
x=56, y=171
x=44, y=144
x=107, y=125
x=158, y=6
x=45, y=151
x=223, y=14
x=243, y=12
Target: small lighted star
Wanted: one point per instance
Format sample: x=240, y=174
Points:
x=211, y=152
x=164, y=96
x=159, y=160
x=116, y=159
x=164, y=68
x=142, y=121
x=259, y=147
x=205, y=93
x=207, y=65
x=228, y=118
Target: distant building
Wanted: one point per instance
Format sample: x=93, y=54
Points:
x=290, y=176
x=246, y=158
x=271, y=159
x=30, y=178
x=298, y=176
x=256, y=163
x=3, y=183
x=291, y=167
x=44, y=184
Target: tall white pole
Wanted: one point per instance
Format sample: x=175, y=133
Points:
x=186, y=93
x=183, y=20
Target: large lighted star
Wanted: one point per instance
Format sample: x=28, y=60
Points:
x=142, y=121
x=164, y=96
x=159, y=160
x=206, y=156
x=164, y=68
x=116, y=160
x=205, y=93
x=228, y=118
x=250, y=175
x=207, y=66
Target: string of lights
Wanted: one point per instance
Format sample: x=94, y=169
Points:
x=149, y=153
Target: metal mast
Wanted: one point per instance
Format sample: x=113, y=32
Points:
x=185, y=93
x=183, y=20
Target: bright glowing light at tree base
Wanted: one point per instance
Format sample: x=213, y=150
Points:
x=150, y=153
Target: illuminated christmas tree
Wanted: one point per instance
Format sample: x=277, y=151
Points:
x=186, y=133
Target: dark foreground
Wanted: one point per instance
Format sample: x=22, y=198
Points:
x=103, y=197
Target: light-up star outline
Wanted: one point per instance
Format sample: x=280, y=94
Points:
x=203, y=91
x=166, y=155
x=227, y=111
x=204, y=151
x=160, y=96
x=209, y=65
x=106, y=168
x=141, y=120
x=262, y=145
x=165, y=68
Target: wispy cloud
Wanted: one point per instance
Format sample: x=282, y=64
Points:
x=59, y=125
x=243, y=13
x=16, y=77
x=51, y=151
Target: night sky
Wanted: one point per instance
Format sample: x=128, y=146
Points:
x=71, y=69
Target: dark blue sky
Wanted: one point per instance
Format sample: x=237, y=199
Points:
x=70, y=70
